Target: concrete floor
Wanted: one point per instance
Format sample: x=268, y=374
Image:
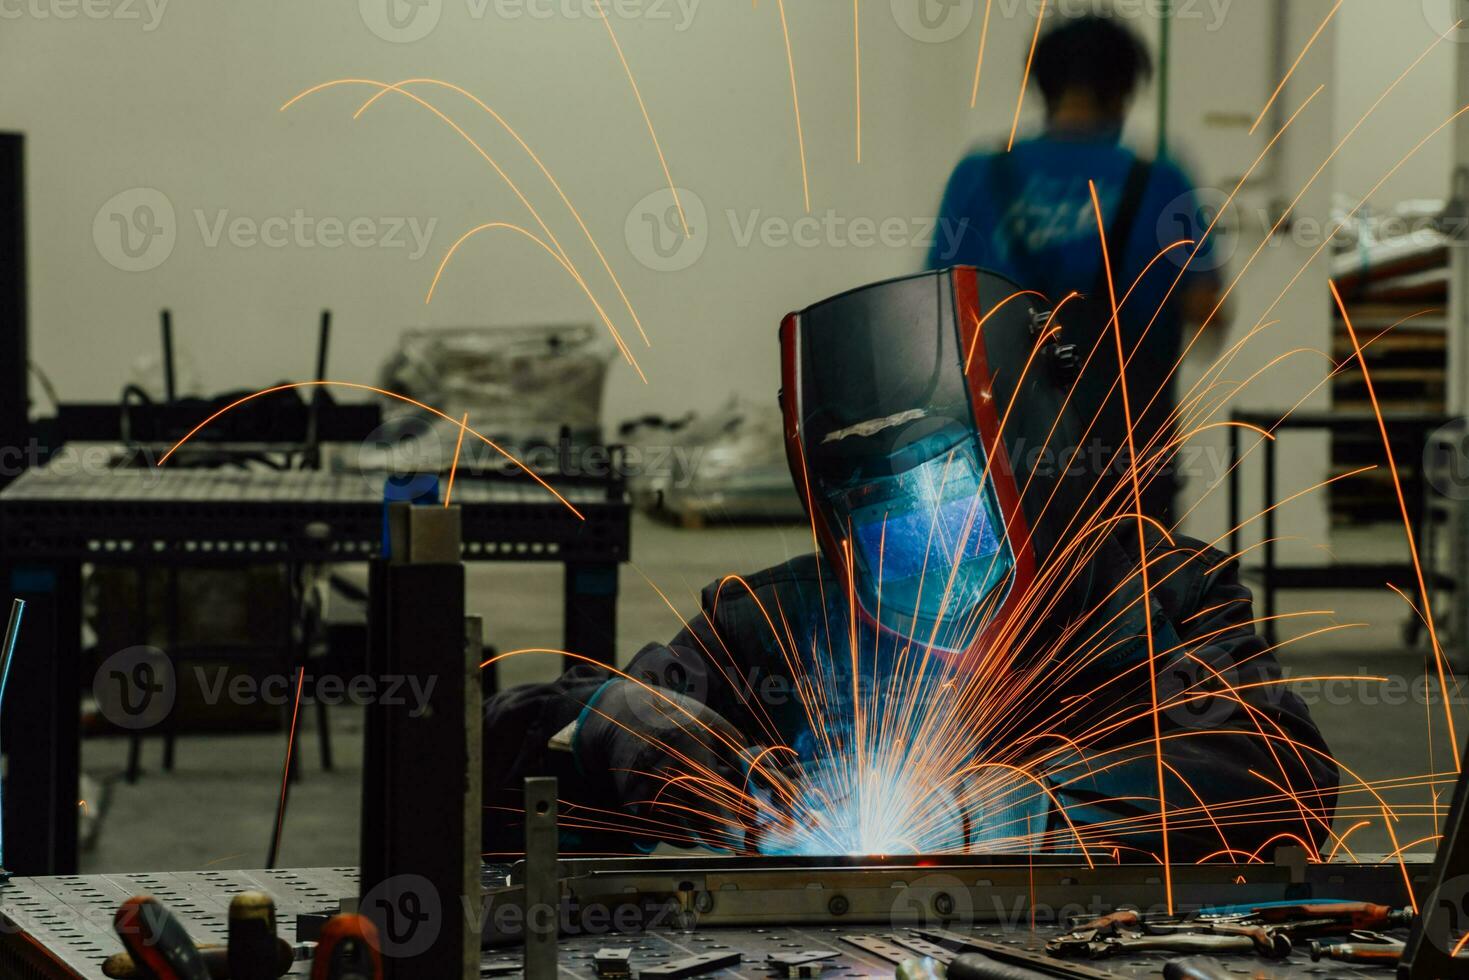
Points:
x=217, y=808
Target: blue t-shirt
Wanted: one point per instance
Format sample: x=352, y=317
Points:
x=1028, y=215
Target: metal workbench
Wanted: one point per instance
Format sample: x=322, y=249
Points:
x=61, y=927
x=56, y=518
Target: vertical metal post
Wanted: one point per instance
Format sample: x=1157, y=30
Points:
x=422, y=774
x=542, y=888
x=590, y=613
x=1234, y=507
x=1269, y=504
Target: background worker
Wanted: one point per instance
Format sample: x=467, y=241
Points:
x=1028, y=214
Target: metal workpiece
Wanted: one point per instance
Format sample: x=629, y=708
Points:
x=692, y=966
x=613, y=962
x=542, y=889
x=945, y=892
x=807, y=963
x=1011, y=955
x=421, y=535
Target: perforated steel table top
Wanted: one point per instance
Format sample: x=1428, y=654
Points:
x=68, y=510
x=71, y=917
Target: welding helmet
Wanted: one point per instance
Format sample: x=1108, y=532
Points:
x=915, y=410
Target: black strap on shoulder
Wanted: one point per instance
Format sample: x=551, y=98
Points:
x=1120, y=230
x=1129, y=203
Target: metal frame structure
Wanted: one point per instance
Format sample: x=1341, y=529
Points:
x=52, y=522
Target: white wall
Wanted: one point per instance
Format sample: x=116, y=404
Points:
x=189, y=109
x=1375, y=42
x=182, y=99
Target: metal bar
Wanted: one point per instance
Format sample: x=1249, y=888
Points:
x=1016, y=956
x=170, y=389
x=1268, y=587
x=542, y=889
x=1234, y=507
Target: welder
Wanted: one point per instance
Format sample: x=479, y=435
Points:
x=962, y=545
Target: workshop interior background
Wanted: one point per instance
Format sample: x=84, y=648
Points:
x=162, y=170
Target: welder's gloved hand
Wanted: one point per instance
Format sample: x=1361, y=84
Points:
x=674, y=764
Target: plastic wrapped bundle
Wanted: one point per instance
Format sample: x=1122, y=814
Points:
x=520, y=385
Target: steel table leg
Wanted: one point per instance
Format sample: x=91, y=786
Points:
x=1268, y=587
x=590, y=612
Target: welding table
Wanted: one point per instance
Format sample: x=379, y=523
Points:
x=55, y=519
x=61, y=927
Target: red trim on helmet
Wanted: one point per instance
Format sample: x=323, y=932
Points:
x=968, y=313
x=790, y=404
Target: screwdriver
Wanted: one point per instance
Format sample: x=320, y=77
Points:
x=1378, y=954
x=347, y=950
x=1326, y=917
x=158, y=942
x=252, y=945
x=120, y=966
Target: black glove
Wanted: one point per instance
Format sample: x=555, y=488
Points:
x=676, y=766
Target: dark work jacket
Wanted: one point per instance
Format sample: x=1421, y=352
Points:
x=1214, y=750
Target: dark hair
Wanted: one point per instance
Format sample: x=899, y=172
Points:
x=1094, y=53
